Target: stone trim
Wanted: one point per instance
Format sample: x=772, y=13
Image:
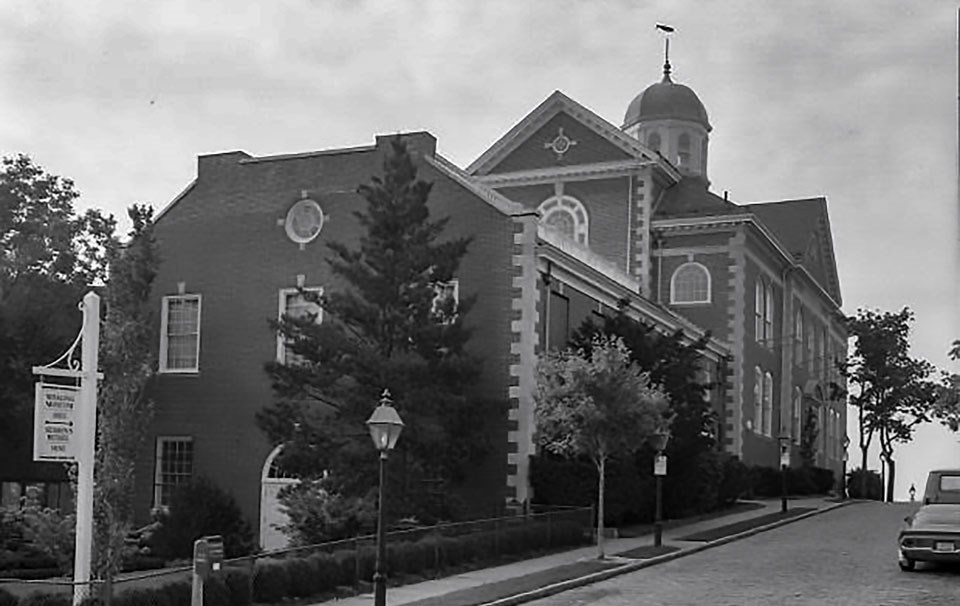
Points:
x=525, y=342
x=736, y=316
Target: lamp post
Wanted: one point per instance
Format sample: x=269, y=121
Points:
x=385, y=427
x=659, y=441
x=843, y=471
x=784, y=465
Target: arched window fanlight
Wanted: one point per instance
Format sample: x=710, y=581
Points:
x=566, y=215
x=690, y=284
x=653, y=141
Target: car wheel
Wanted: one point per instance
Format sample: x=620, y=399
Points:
x=907, y=564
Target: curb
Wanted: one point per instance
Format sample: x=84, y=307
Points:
x=603, y=575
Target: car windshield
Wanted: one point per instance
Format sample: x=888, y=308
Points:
x=938, y=515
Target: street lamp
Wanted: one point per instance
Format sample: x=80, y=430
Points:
x=784, y=465
x=385, y=427
x=659, y=441
x=843, y=476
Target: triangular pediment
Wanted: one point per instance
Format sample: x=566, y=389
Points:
x=560, y=132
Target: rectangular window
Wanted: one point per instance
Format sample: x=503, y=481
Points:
x=758, y=302
x=798, y=336
x=173, y=467
x=558, y=322
x=180, y=334
x=811, y=348
x=795, y=424
x=768, y=315
x=294, y=304
x=446, y=297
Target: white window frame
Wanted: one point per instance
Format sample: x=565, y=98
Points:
x=798, y=350
x=689, y=265
x=574, y=208
x=757, y=399
x=438, y=289
x=164, y=336
x=282, y=299
x=158, y=483
x=767, y=404
x=768, y=310
x=758, y=301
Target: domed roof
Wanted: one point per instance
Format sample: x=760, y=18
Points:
x=666, y=99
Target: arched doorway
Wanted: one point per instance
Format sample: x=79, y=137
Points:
x=272, y=479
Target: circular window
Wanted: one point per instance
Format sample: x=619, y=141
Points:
x=304, y=221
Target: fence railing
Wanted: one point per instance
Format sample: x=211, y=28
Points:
x=495, y=536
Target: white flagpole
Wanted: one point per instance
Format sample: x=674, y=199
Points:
x=87, y=422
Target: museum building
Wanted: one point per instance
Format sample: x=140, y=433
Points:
x=571, y=217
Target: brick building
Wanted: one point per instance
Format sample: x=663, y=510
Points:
x=571, y=216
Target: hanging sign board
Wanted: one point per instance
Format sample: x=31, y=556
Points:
x=55, y=414
x=660, y=465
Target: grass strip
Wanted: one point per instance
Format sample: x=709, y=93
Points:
x=648, y=551
x=713, y=534
x=489, y=592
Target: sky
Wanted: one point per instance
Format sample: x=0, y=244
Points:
x=853, y=100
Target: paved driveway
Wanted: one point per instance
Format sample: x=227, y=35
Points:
x=843, y=557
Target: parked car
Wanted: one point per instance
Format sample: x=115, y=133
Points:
x=943, y=486
x=930, y=535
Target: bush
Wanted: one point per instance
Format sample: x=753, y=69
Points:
x=315, y=516
x=39, y=598
x=7, y=598
x=271, y=581
x=734, y=480
x=198, y=509
x=237, y=581
x=874, y=489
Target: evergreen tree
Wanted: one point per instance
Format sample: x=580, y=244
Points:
x=385, y=330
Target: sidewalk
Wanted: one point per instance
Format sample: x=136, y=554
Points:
x=527, y=580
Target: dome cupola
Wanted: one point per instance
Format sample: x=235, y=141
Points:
x=670, y=119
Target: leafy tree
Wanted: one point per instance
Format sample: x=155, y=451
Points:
x=891, y=391
x=127, y=360
x=384, y=330
x=947, y=407
x=675, y=364
x=598, y=405
x=49, y=257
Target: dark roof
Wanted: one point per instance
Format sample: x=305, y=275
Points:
x=801, y=227
x=691, y=198
x=666, y=99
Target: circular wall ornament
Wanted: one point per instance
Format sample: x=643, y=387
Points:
x=304, y=221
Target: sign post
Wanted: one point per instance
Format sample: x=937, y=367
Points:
x=65, y=429
x=207, y=559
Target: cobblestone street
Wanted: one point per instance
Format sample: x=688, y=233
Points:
x=847, y=556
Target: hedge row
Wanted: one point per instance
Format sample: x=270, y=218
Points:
x=705, y=483
x=274, y=579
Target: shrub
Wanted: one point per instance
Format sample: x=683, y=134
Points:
x=734, y=480
x=302, y=577
x=317, y=516
x=7, y=598
x=271, y=581
x=39, y=598
x=49, y=531
x=237, y=581
x=215, y=591
x=824, y=480
x=345, y=561
x=874, y=485
x=197, y=509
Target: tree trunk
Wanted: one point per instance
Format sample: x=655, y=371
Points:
x=601, y=469
x=863, y=472
x=891, y=476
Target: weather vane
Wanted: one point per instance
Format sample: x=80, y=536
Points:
x=667, y=30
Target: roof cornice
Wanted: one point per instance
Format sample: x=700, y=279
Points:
x=550, y=107
x=172, y=203
x=583, y=267
x=751, y=219
x=579, y=172
x=498, y=201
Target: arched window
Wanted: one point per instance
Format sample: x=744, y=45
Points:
x=757, y=399
x=567, y=216
x=768, y=404
x=653, y=141
x=795, y=423
x=690, y=284
x=683, y=150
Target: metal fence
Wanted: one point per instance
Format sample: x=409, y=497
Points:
x=430, y=551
